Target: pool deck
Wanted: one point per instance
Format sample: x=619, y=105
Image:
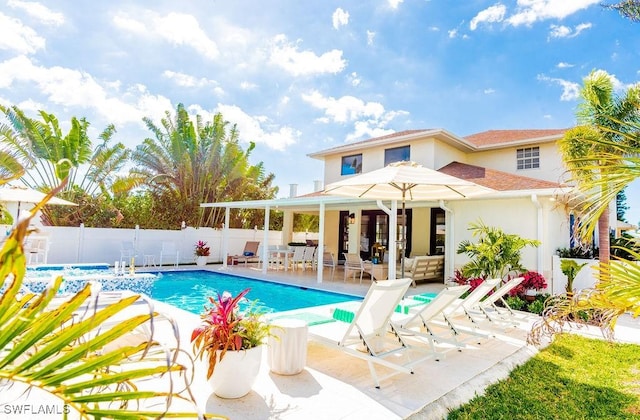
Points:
x=334, y=385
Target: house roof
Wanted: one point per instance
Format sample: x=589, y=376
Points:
x=399, y=137
x=498, y=180
x=509, y=137
x=492, y=139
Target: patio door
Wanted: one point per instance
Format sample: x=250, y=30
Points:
x=436, y=240
x=374, y=228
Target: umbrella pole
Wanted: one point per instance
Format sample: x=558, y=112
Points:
x=404, y=236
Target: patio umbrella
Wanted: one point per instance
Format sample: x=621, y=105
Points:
x=13, y=194
x=406, y=181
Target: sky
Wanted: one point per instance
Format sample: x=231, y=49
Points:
x=297, y=77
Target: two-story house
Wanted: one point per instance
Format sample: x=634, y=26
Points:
x=524, y=167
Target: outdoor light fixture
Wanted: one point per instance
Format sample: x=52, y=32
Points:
x=352, y=218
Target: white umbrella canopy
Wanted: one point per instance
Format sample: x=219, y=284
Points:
x=13, y=194
x=406, y=181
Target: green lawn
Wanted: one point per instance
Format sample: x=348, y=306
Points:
x=573, y=378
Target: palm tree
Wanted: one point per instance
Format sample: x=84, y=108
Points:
x=615, y=163
x=188, y=163
x=627, y=8
x=49, y=156
x=602, y=115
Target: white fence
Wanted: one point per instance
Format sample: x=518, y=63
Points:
x=68, y=245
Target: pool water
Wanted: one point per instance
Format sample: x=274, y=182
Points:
x=189, y=290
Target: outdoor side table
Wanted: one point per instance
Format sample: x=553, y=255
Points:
x=288, y=346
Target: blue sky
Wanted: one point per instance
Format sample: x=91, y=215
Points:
x=298, y=77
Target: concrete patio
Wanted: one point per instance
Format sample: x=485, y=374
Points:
x=334, y=385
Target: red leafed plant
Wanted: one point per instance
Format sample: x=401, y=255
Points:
x=201, y=249
x=225, y=327
x=533, y=280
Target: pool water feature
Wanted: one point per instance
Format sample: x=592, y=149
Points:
x=75, y=277
x=190, y=290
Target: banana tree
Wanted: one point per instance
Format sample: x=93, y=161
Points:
x=71, y=353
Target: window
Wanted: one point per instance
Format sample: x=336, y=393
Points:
x=351, y=165
x=528, y=158
x=396, y=154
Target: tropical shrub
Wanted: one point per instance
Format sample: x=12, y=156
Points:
x=495, y=254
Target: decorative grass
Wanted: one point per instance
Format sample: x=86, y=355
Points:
x=573, y=378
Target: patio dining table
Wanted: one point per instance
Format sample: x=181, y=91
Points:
x=279, y=255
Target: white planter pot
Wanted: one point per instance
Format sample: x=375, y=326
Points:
x=201, y=261
x=235, y=375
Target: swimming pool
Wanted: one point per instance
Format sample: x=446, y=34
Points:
x=189, y=290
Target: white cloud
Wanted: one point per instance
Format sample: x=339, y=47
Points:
x=340, y=18
x=563, y=65
x=297, y=63
x=570, y=90
x=177, y=28
x=257, y=129
x=530, y=11
x=355, y=79
x=38, y=11
x=489, y=91
x=247, y=85
x=367, y=129
x=452, y=33
x=344, y=109
x=434, y=29
x=73, y=88
x=561, y=31
x=186, y=80
x=14, y=36
x=491, y=14
x=394, y=3
x=370, y=37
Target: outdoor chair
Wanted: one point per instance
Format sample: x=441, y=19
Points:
x=466, y=306
x=418, y=320
x=298, y=257
x=249, y=254
x=36, y=250
x=169, y=250
x=127, y=251
x=490, y=310
x=308, y=258
x=353, y=264
x=328, y=260
x=369, y=335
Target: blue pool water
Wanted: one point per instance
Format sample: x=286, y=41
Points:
x=189, y=290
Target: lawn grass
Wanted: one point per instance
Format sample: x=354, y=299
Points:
x=573, y=378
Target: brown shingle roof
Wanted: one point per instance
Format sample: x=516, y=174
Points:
x=495, y=137
x=498, y=180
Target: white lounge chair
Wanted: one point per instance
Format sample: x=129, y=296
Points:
x=370, y=335
x=418, y=322
x=488, y=305
x=466, y=306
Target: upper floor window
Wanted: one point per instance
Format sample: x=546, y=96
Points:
x=396, y=154
x=351, y=165
x=528, y=158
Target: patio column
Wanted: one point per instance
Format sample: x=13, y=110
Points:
x=320, y=249
x=393, y=234
x=265, y=241
x=449, y=246
x=225, y=238
x=287, y=226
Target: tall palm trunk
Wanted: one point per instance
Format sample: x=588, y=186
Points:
x=603, y=237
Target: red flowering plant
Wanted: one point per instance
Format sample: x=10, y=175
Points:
x=201, y=249
x=226, y=327
x=461, y=280
x=532, y=280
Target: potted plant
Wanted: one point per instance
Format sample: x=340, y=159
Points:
x=532, y=283
x=231, y=340
x=202, y=251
